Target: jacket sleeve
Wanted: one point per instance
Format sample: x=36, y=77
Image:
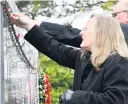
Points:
x=115, y=88
x=46, y=44
x=63, y=33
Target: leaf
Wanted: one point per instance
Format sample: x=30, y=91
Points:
x=108, y=5
x=82, y=9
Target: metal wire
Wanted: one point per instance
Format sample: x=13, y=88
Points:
x=7, y=11
x=17, y=90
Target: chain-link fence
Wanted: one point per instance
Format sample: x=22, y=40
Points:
x=18, y=62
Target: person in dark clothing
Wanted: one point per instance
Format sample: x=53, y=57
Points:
x=101, y=65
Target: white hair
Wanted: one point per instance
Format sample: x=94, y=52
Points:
x=122, y=4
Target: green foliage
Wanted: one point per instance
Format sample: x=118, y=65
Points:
x=82, y=9
x=108, y=5
x=37, y=4
x=41, y=89
x=60, y=77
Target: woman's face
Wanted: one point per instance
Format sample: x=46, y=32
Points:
x=87, y=35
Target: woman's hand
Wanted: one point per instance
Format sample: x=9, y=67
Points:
x=66, y=97
x=22, y=21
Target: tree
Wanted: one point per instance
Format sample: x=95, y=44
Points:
x=49, y=8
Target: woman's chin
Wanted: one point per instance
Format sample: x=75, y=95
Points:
x=84, y=47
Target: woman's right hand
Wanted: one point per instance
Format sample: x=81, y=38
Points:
x=22, y=21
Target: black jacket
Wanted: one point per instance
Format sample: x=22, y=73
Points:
x=68, y=35
x=108, y=86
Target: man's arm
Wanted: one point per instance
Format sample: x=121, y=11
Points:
x=69, y=35
x=46, y=44
x=63, y=33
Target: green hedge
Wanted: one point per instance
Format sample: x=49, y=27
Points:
x=61, y=78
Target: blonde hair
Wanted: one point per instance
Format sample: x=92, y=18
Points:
x=108, y=38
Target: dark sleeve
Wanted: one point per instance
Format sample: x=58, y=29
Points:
x=115, y=88
x=46, y=44
x=63, y=33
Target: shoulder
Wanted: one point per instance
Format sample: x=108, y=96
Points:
x=116, y=63
x=124, y=25
x=124, y=28
x=116, y=59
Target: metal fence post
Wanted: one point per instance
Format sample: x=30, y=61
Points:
x=1, y=58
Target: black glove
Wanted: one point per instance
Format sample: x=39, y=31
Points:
x=66, y=97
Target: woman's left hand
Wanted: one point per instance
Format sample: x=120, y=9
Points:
x=66, y=97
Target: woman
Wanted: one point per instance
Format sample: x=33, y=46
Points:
x=100, y=77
